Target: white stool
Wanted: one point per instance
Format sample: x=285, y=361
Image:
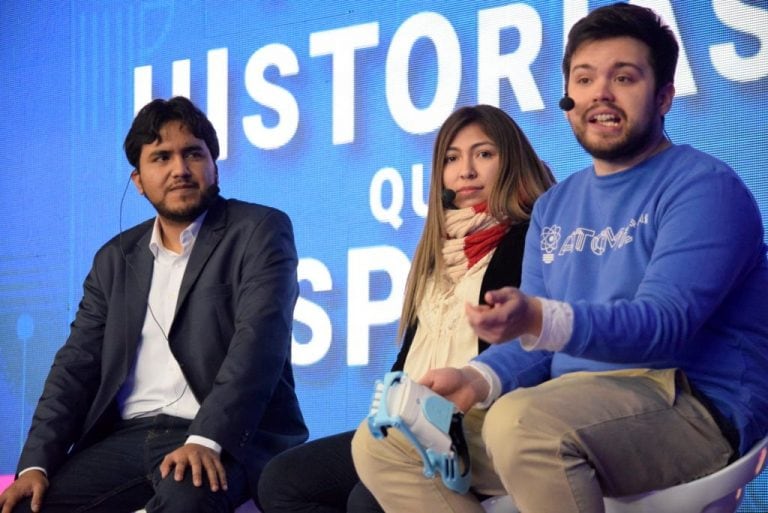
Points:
x=248, y=507
x=721, y=492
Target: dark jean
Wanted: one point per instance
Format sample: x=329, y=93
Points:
x=121, y=474
x=316, y=477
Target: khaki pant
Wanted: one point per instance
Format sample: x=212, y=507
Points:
x=560, y=446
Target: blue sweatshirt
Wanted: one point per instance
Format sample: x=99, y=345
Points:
x=664, y=265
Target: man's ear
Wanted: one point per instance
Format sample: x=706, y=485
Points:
x=136, y=179
x=664, y=98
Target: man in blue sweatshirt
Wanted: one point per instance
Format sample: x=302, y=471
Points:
x=643, y=293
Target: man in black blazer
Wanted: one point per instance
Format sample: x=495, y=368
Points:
x=175, y=386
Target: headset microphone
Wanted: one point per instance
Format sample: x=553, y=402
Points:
x=448, y=196
x=566, y=103
x=130, y=266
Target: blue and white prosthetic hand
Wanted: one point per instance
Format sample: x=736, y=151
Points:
x=431, y=422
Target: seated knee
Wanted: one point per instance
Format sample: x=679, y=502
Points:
x=276, y=484
x=173, y=496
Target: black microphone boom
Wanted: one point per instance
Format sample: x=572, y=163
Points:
x=448, y=196
x=566, y=103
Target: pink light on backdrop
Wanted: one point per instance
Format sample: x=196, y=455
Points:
x=5, y=482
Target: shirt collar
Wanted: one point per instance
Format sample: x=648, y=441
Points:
x=187, y=237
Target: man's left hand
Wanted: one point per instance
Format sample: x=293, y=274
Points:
x=508, y=314
x=198, y=459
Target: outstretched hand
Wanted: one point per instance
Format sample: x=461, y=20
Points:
x=32, y=483
x=198, y=459
x=508, y=314
x=463, y=387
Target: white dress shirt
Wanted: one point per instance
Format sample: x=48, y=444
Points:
x=156, y=383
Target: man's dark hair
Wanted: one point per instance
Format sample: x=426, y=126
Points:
x=625, y=20
x=151, y=118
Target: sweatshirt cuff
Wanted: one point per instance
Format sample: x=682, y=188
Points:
x=494, y=383
x=556, y=327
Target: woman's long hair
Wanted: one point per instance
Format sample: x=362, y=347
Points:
x=522, y=178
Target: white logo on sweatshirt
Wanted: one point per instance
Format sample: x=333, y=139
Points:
x=580, y=238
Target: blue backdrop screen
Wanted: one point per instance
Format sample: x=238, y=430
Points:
x=326, y=110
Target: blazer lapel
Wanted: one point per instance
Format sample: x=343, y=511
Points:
x=138, y=280
x=207, y=239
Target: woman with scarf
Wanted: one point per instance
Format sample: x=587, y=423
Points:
x=485, y=179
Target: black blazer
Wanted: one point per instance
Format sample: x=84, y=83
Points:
x=231, y=336
x=504, y=270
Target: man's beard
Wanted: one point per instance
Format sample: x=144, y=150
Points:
x=192, y=211
x=630, y=145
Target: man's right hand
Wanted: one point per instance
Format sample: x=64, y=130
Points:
x=464, y=387
x=32, y=483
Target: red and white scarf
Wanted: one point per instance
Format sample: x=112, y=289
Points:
x=471, y=234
